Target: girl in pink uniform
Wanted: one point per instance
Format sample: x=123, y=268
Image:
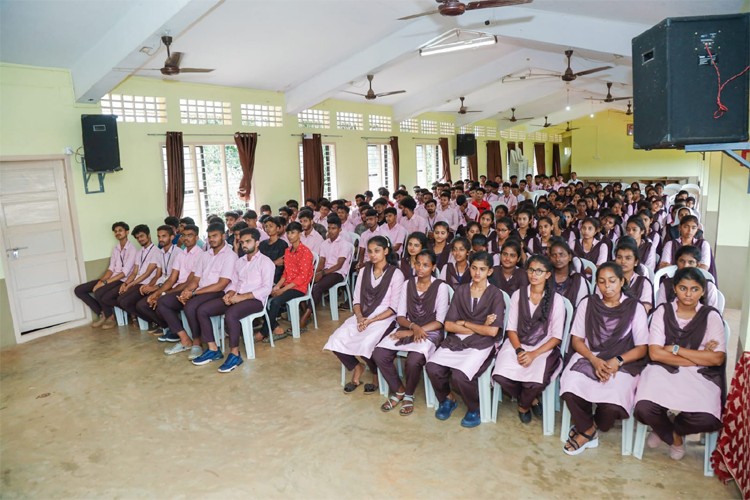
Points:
x=608, y=346
x=686, y=375
x=530, y=357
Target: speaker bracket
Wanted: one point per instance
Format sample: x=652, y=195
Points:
x=728, y=149
x=87, y=177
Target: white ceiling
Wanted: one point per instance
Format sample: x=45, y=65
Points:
x=314, y=50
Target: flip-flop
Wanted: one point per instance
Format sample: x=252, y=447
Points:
x=350, y=387
x=371, y=388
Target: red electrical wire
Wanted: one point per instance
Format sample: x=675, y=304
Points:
x=722, y=108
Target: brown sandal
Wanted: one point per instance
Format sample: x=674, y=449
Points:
x=392, y=402
x=407, y=406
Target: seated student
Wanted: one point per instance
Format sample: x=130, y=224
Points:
x=508, y=198
x=590, y=247
x=529, y=358
x=473, y=323
x=687, y=256
x=486, y=223
x=539, y=243
x=639, y=287
x=165, y=258
x=209, y=279
x=394, y=231
x=456, y=271
x=686, y=374
x=504, y=230
x=566, y=281
x=309, y=236
x=174, y=223
x=608, y=336
x=447, y=213
x=251, y=219
x=652, y=231
x=236, y=229
x=688, y=227
x=467, y=211
x=321, y=216
x=361, y=226
x=177, y=269
x=298, y=271
x=410, y=221
x=440, y=245
x=415, y=243
x=252, y=280
x=646, y=249
x=371, y=229
x=422, y=307
x=431, y=217
x=189, y=221
x=274, y=247
x=507, y=275
x=106, y=288
x=524, y=229
x=376, y=298
x=335, y=261
x=145, y=270
x=477, y=194
x=230, y=219
x=471, y=229
x=347, y=224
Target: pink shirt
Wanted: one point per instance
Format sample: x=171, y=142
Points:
x=253, y=275
x=471, y=214
x=166, y=261
x=364, y=238
x=510, y=201
x=214, y=266
x=187, y=262
x=312, y=241
x=490, y=197
x=332, y=251
x=349, y=225
x=416, y=223
x=122, y=259
x=396, y=234
x=450, y=215
x=145, y=257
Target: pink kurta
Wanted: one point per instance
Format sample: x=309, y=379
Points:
x=347, y=339
x=619, y=389
x=686, y=390
x=506, y=363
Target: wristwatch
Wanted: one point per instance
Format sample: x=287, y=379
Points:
x=620, y=361
x=675, y=348
x=519, y=350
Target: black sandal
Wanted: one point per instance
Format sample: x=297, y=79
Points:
x=351, y=386
x=371, y=388
x=592, y=441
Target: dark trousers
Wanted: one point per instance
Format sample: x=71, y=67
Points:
x=144, y=311
x=523, y=392
x=324, y=284
x=276, y=303
x=97, y=303
x=443, y=378
x=412, y=371
x=232, y=316
x=169, y=308
x=350, y=362
x=684, y=423
x=583, y=415
x=129, y=299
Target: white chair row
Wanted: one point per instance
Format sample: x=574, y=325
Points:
x=669, y=271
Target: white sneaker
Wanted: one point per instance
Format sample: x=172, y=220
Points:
x=176, y=348
x=195, y=351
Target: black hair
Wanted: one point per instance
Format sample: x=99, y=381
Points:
x=488, y=212
x=121, y=224
x=230, y=213
x=549, y=292
x=463, y=241
x=690, y=250
x=431, y=200
x=334, y=219
x=254, y=233
x=294, y=226
x=615, y=268
x=460, y=199
x=628, y=243
x=343, y=207
x=275, y=220
x=292, y=204
x=239, y=226
x=442, y=224
x=191, y=227
x=265, y=208
x=141, y=228
x=187, y=220
x=305, y=214
x=383, y=242
x=172, y=221
x=167, y=228
x=426, y=252
x=506, y=221
x=408, y=202
x=688, y=218
x=215, y=227
x=689, y=273
x=250, y=214
x=390, y=210
x=515, y=245
x=638, y=222
x=288, y=211
x=419, y=236
x=482, y=256
x=556, y=241
x=479, y=240
x=380, y=201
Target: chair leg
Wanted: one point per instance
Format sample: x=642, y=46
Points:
x=565, y=424
x=640, y=440
x=711, y=440
x=142, y=325
x=497, y=396
x=400, y=367
x=382, y=384
x=247, y=337
x=485, y=395
x=333, y=298
x=315, y=314
x=293, y=312
x=185, y=325
x=343, y=376
x=627, y=436
x=121, y=316
x=429, y=391
x=548, y=409
x=349, y=296
x=217, y=324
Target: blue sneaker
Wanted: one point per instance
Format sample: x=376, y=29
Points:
x=445, y=409
x=232, y=362
x=169, y=337
x=207, y=357
x=471, y=419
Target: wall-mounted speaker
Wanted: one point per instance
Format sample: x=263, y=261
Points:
x=466, y=144
x=101, y=148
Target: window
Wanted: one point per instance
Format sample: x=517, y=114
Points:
x=199, y=112
x=329, y=171
x=491, y=132
x=429, y=164
x=380, y=123
x=212, y=178
x=447, y=128
x=135, y=108
x=429, y=127
x=261, y=115
x=410, y=125
x=464, y=163
x=465, y=129
x=314, y=118
x=349, y=121
x=379, y=167
x=479, y=131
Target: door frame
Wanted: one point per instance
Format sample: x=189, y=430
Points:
x=80, y=265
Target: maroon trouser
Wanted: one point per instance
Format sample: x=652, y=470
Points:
x=144, y=311
x=232, y=316
x=444, y=377
x=169, y=307
x=684, y=423
x=350, y=362
x=415, y=361
x=583, y=415
x=324, y=284
x=98, y=302
x=128, y=300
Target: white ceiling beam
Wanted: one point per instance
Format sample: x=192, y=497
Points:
x=93, y=74
x=338, y=76
x=512, y=95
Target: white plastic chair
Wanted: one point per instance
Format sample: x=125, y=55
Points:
x=721, y=301
x=646, y=271
x=121, y=316
x=710, y=437
x=672, y=187
x=292, y=306
x=536, y=194
x=587, y=264
x=669, y=272
x=247, y=331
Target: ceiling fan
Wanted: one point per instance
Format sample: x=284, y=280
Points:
x=568, y=129
x=172, y=64
x=609, y=97
x=370, y=95
x=629, y=112
x=513, y=118
x=545, y=125
x=456, y=8
x=567, y=76
x=462, y=110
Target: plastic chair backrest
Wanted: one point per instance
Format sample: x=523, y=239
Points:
x=316, y=261
x=675, y=187
x=568, y=324
x=494, y=205
x=646, y=271
x=450, y=294
x=587, y=264
x=720, y=301
x=659, y=276
x=506, y=299
x=688, y=187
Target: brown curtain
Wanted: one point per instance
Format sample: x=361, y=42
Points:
x=541, y=167
x=473, y=168
x=556, y=159
x=520, y=147
x=393, y=141
x=443, y=142
x=246, y=144
x=494, y=161
x=312, y=159
x=175, y=174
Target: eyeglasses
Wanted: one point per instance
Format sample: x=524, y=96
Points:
x=537, y=272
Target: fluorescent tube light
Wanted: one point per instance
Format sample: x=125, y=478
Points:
x=439, y=46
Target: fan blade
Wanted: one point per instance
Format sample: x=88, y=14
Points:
x=174, y=59
x=622, y=98
x=195, y=70
x=474, y=111
x=488, y=4
x=414, y=16
x=383, y=94
x=355, y=93
x=136, y=69
x=589, y=71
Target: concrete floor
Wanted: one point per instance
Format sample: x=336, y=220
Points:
x=104, y=414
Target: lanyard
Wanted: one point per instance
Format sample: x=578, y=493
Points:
x=143, y=259
x=166, y=263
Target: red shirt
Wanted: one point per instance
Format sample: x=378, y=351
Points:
x=298, y=267
x=481, y=206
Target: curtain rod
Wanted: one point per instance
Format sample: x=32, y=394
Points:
x=321, y=135
x=197, y=135
x=378, y=138
x=426, y=138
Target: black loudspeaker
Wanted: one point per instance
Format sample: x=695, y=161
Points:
x=675, y=84
x=466, y=144
x=101, y=148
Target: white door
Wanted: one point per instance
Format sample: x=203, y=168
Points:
x=40, y=254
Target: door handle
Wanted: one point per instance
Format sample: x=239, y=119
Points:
x=13, y=252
